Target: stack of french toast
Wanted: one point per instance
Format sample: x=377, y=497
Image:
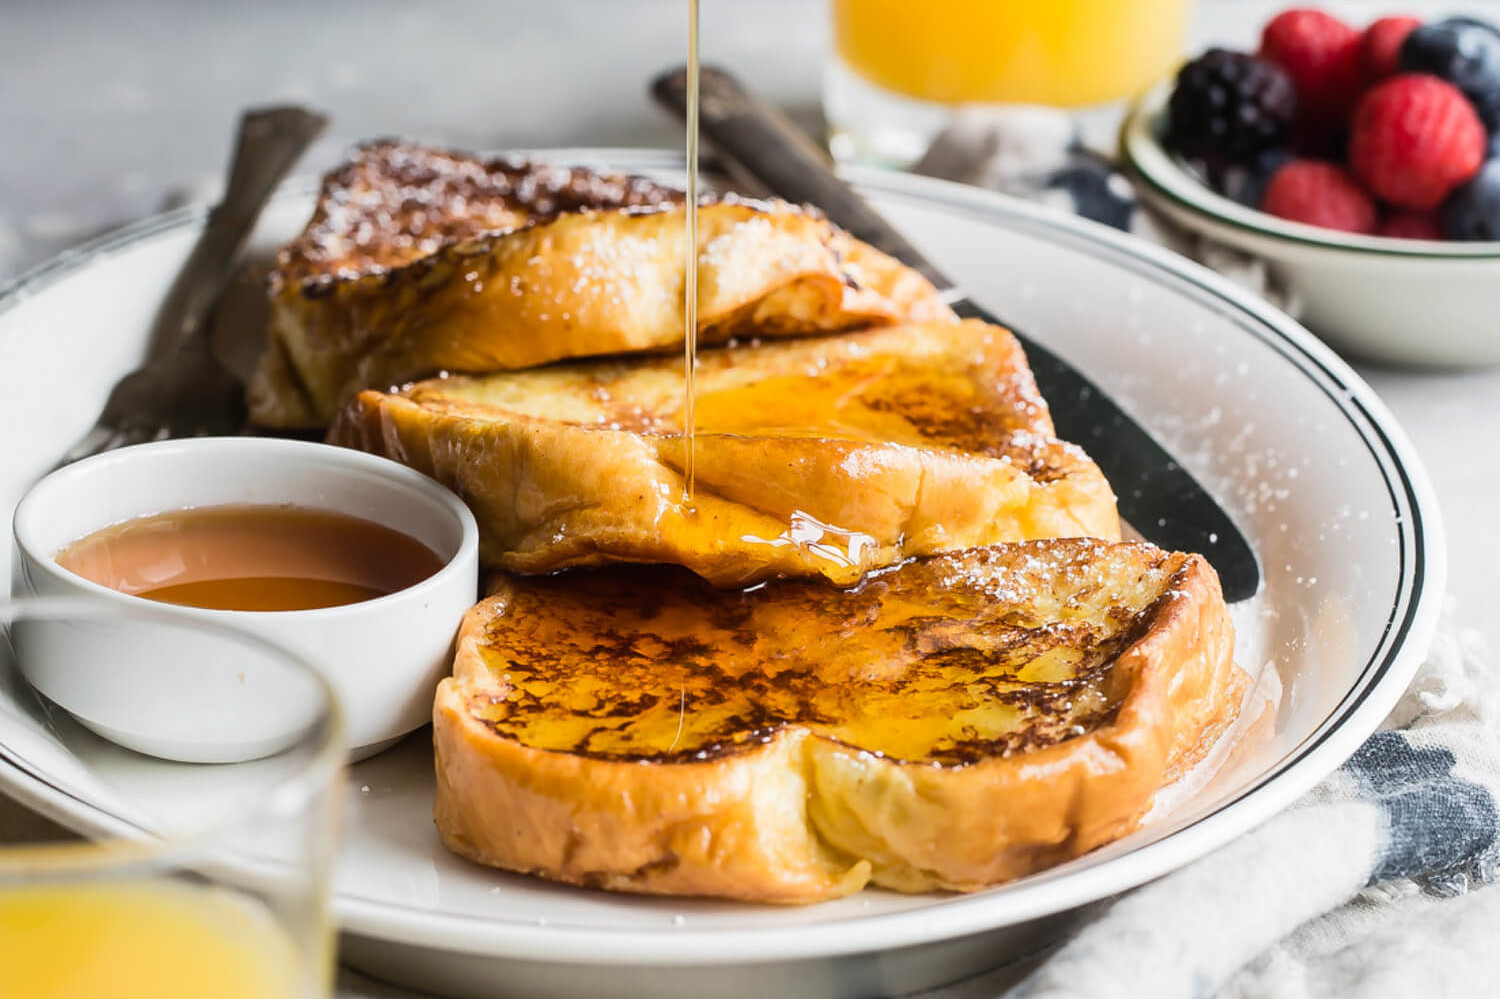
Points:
x=892, y=637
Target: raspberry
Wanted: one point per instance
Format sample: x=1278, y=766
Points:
x=1228, y=106
x=1380, y=49
x=1321, y=54
x=1410, y=225
x=1414, y=139
x=1321, y=194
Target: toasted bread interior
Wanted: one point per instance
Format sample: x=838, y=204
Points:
x=827, y=457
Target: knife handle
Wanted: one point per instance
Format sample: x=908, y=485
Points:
x=773, y=149
x=268, y=144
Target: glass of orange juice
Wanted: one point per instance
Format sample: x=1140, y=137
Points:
x=899, y=67
x=186, y=880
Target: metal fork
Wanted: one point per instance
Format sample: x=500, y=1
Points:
x=182, y=390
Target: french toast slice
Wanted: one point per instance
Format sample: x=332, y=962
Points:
x=418, y=261
x=950, y=723
x=818, y=457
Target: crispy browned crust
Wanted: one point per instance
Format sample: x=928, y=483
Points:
x=419, y=261
x=977, y=462
x=393, y=202
x=801, y=817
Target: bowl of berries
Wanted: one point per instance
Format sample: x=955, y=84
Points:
x=1363, y=165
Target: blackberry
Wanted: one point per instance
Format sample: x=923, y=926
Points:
x=1229, y=106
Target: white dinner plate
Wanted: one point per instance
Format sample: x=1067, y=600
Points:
x=1288, y=438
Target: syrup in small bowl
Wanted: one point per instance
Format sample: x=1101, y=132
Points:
x=249, y=557
x=358, y=564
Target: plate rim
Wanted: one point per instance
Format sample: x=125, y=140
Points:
x=1367, y=701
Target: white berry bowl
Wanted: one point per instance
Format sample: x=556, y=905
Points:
x=1411, y=302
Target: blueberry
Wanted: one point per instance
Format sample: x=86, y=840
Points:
x=1470, y=22
x=1463, y=51
x=1246, y=183
x=1473, y=211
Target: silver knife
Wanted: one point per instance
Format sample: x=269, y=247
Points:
x=1156, y=494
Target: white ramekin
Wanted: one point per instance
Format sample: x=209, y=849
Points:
x=382, y=656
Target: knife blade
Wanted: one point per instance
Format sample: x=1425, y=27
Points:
x=1155, y=494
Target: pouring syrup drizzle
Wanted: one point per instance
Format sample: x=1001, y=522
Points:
x=690, y=285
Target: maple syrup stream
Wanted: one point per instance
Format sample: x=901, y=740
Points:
x=690, y=284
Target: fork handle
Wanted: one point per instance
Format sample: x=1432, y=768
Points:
x=760, y=139
x=269, y=143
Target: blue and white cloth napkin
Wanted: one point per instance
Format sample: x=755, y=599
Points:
x=1039, y=154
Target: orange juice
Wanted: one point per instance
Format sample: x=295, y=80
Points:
x=1065, y=53
x=142, y=940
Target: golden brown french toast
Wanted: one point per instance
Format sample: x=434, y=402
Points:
x=393, y=202
x=953, y=722
x=418, y=261
x=818, y=457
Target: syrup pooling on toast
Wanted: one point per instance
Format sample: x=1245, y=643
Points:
x=893, y=387
x=946, y=660
x=923, y=438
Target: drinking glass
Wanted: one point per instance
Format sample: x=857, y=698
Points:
x=899, y=68
x=186, y=880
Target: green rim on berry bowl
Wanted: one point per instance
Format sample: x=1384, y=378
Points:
x=1416, y=302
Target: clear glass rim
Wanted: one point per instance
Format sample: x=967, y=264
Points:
x=114, y=850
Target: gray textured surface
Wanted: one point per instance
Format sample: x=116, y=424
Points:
x=105, y=106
